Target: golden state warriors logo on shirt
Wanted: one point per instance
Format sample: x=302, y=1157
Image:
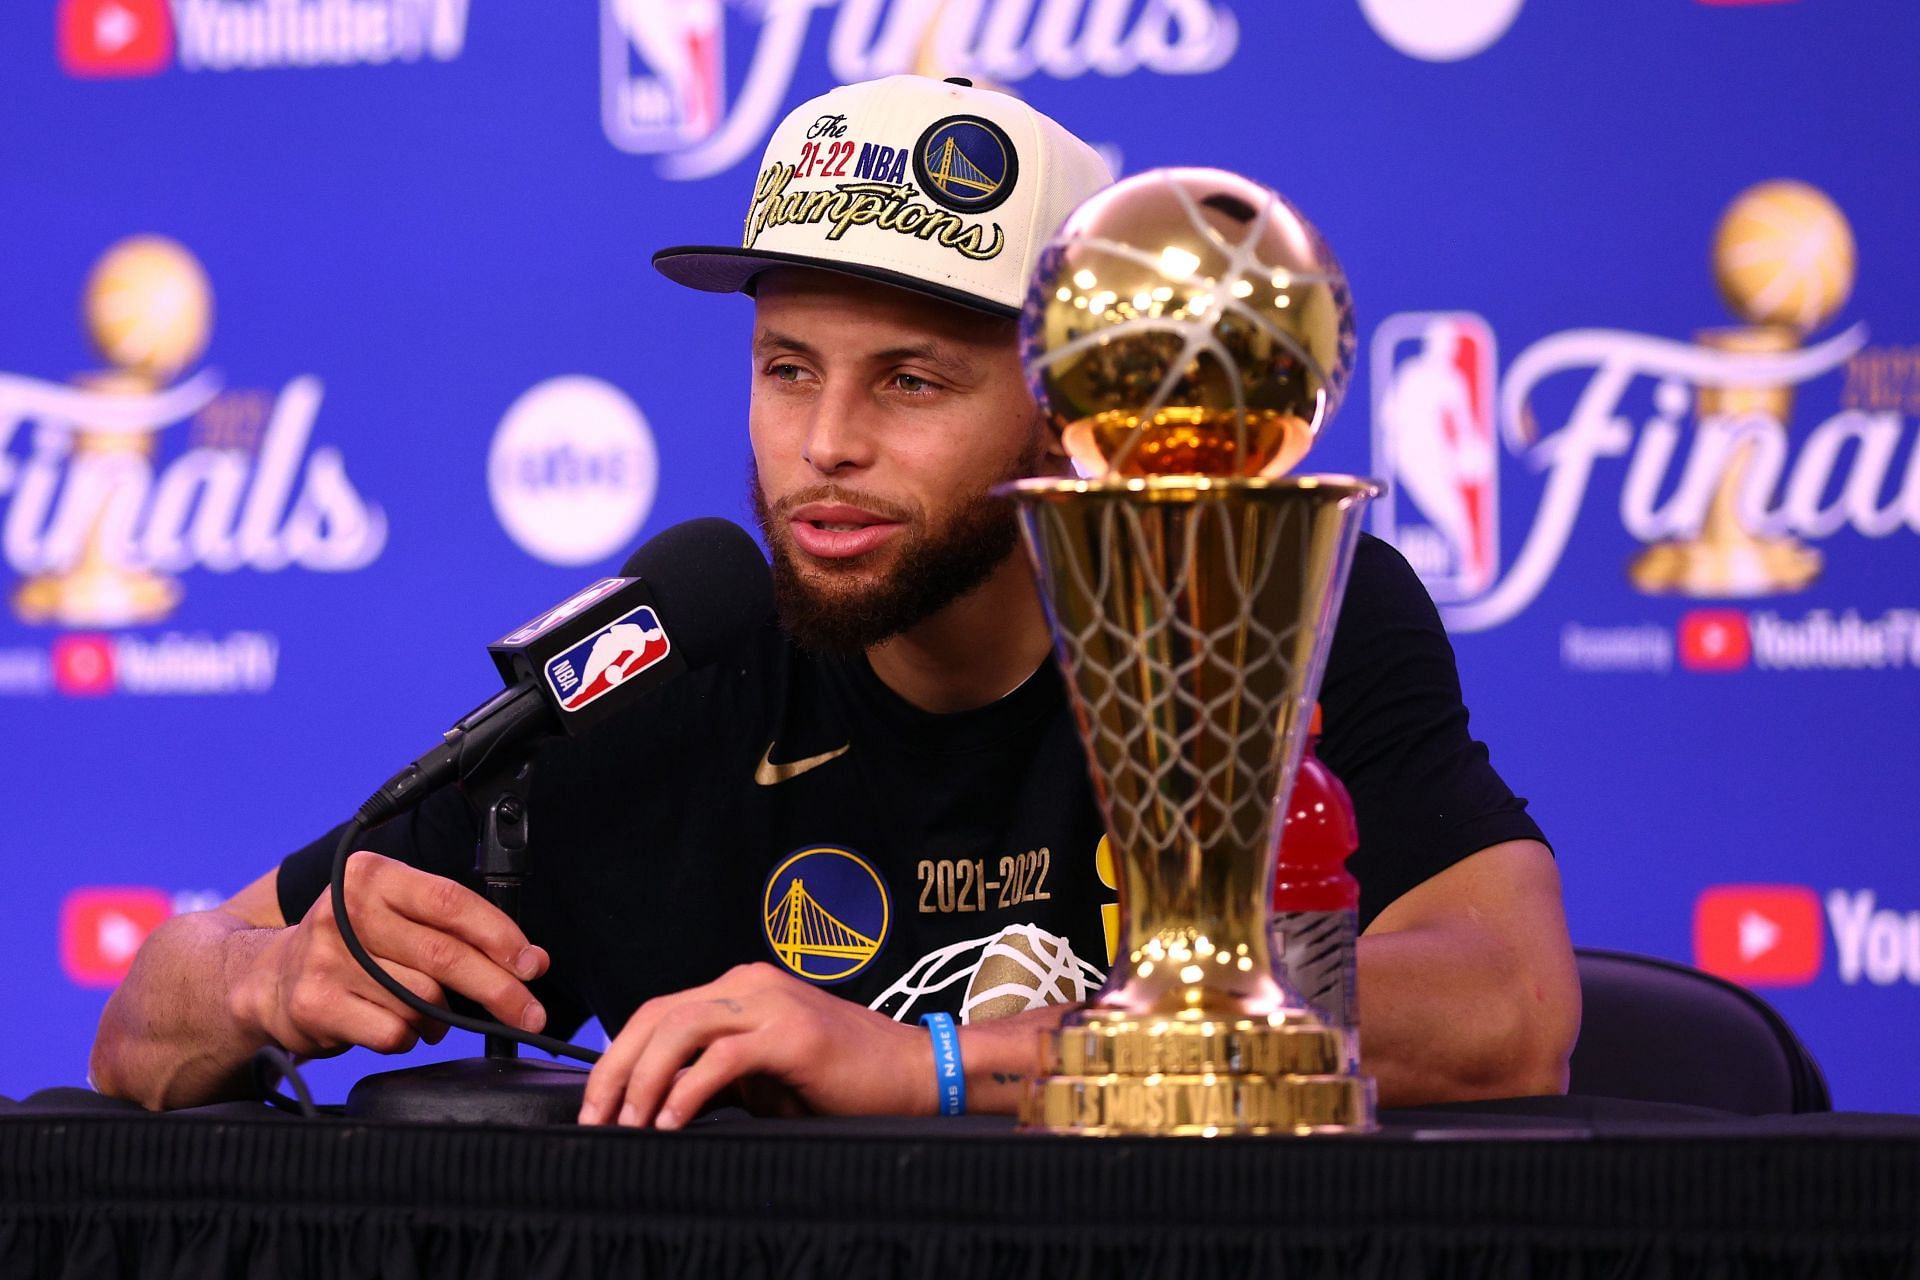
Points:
x=825, y=913
x=966, y=163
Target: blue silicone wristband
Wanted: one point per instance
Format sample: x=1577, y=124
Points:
x=948, y=1077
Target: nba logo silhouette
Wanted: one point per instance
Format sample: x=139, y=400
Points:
x=662, y=72
x=607, y=659
x=1434, y=442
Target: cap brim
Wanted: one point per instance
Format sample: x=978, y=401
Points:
x=721, y=269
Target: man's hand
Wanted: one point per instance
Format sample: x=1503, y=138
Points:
x=306, y=993
x=789, y=1047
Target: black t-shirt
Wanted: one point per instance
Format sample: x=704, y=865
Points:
x=788, y=807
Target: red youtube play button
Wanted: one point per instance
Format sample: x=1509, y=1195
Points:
x=83, y=665
x=98, y=38
x=1760, y=935
x=101, y=928
x=1715, y=640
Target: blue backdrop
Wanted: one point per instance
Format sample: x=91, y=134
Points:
x=396, y=374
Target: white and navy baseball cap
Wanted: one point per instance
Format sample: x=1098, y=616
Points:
x=930, y=185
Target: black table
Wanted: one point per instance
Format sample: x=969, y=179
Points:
x=1531, y=1187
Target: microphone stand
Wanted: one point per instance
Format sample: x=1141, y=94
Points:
x=501, y=1087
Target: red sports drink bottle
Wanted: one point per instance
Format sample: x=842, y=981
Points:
x=1316, y=902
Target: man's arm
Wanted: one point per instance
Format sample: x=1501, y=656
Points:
x=166, y=1037
x=209, y=989
x=1467, y=983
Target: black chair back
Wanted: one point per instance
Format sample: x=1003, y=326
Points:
x=1656, y=1031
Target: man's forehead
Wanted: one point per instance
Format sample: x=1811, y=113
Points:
x=789, y=298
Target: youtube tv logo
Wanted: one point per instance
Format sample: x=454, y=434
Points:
x=1715, y=640
x=1759, y=935
x=97, y=39
x=83, y=665
x=102, y=928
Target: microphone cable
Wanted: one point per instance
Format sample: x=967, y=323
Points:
x=376, y=810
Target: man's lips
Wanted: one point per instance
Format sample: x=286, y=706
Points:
x=835, y=531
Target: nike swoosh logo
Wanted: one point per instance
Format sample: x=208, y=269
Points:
x=769, y=774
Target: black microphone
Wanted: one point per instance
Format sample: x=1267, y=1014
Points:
x=681, y=600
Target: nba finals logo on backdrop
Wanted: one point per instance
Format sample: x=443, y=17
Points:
x=102, y=38
x=665, y=86
x=101, y=524
x=1727, y=482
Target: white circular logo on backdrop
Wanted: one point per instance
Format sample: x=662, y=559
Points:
x=572, y=471
x=1441, y=30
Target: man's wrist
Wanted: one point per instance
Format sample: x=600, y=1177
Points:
x=1003, y=1056
x=253, y=996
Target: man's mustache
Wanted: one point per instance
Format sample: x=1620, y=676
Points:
x=826, y=493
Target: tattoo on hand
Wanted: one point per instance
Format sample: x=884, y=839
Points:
x=1008, y=1077
x=731, y=1006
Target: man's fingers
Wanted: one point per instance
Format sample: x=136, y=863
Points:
x=452, y=962
x=373, y=1026
x=446, y=906
x=607, y=1082
x=413, y=980
x=695, y=1025
x=725, y=1062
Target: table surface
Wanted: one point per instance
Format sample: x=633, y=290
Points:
x=1536, y=1186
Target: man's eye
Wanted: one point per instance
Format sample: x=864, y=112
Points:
x=913, y=383
x=785, y=372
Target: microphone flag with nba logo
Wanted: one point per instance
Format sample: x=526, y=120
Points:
x=680, y=601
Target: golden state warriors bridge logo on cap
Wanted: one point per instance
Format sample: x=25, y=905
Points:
x=825, y=913
x=966, y=163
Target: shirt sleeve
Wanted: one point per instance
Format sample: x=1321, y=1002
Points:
x=437, y=835
x=1395, y=731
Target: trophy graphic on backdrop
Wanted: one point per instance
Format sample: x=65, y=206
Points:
x=149, y=311
x=1190, y=333
x=1784, y=260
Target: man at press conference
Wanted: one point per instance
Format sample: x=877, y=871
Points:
x=900, y=718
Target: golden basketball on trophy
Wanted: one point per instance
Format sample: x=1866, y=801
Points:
x=1190, y=324
x=1190, y=334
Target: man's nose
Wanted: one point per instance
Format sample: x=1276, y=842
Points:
x=841, y=436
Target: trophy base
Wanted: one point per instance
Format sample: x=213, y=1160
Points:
x=1201, y=1106
x=1116, y=1074
x=97, y=598
x=1730, y=569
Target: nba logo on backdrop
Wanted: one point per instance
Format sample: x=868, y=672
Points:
x=1434, y=442
x=662, y=72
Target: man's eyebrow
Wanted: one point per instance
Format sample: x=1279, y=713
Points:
x=934, y=353
x=768, y=341
x=938, y=354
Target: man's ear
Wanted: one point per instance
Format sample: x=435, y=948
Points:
x=1052, y=446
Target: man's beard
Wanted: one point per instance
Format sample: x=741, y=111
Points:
x=932, y=568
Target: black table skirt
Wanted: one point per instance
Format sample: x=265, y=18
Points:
x=1540, y=1187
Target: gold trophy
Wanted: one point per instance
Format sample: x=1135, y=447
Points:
x=149, y=311
x=1189, y=333
x=1783, y=258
